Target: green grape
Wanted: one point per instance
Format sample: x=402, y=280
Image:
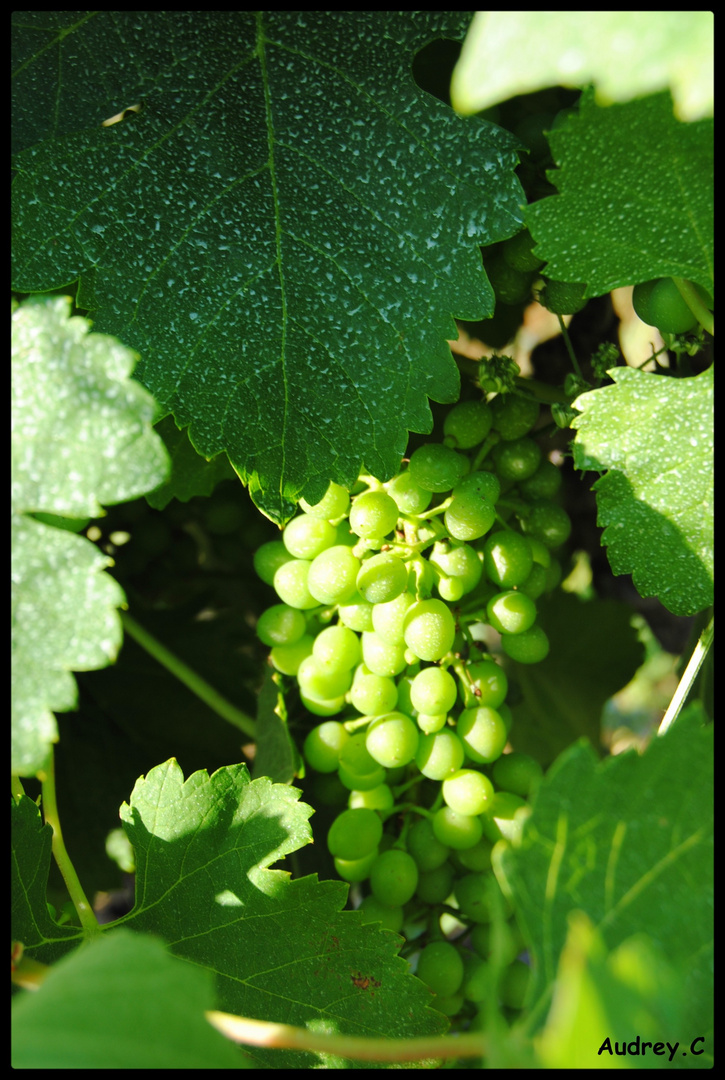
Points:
x=383, y=657
x=482, y=483
x=382, y=577
x=514, y=985
x=660, y=303
x=469, y=516
x=429, y=629
x=345, y=536
x=535, y=584
x=518, y=253
x=440, y=967
x=332, y=505
x=467, y=424
x=433, y=690
x=374, y=912
x=323, y=746
x=439, y=755
x=372, y=694
x=544, y=484
x=388, y=618
x=322, y=706
x=468, y=792
x=476, y=859
x=373, y=514
x=306, y=537
x=563, y=297
x=281, y=625
x=457, y=831
x=510, y=286
x=476, y=985
x=268, y=558
x=337, y=647
x=410, y=498
x=392, y=740
x=486, y=684
x=394, y=878
x=482, y=733
x=358, y=770
x=332, y=575
x=517, y=773
x=437, y=468
x=322, y=682
x=517, y=459
x=290, y=584
x=514, y=415
x=354, y=834
x=507, y=558
x=505, y=817
x=378, y=798
x=430, y=723
x=530, y=647
x=356, y=613
x=287, y=658
x=470, y=894
x=435, y=885
x=511, y=612
x=548, y=523
x=353, y=870
x=425, y=848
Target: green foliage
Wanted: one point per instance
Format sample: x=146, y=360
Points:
x=626, y=53
x=656, y=498
x=276, y=208
x=240, y=243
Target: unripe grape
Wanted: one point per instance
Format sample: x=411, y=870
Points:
x=377, y=798
x=382, y=578
x=518, y=773
x=429, y=629
x=470, y=893
x=383, y=657
x=514, y=415
x=332, y=575
x=323, y=746
x=372, y=694
x=548, y=523
x=511, y=612
x=437, y=468
x=358, y=770
x=356, y=869
x=337, y=647
x=290, y=584
x=468, y=792
x=281, y=625
x=409, y=497
x=373, y=514
x=439, y=755
x=354, y=834
x=333, y=504
x=425, y=848
x=482, y=483
x=530, y=647
x=482, y=733
x=517, y=459
x=467, y=424
x=287, y=658
x=440, y=967
x=268, y=558
x=435, y=885
x=388, y=618
x=514, y=985
x=486, y=684
x=433, y=690
x=457, y=831
x=306, y=537
x=469, y=516
x=394, y=878
x=392, y=740
x=507, y=558
x=375, y=912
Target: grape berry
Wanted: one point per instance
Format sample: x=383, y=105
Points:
x=388, y=603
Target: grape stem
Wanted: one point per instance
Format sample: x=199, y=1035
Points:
x=242, y=1029
x=569, y=347
x=189, y=677
x=86, y=914
x=689, y=675
x=689, y=294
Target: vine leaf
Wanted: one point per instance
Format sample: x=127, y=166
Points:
x=284, y=232
x=629, y=842
x=159, y=999
x=282, y=949
x=82, y=436
x=620, y=217
x=625, y=53
x=654, y=436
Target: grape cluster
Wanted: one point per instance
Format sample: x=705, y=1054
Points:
x=389, y=605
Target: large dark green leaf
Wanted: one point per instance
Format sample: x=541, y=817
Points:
x=283, y=232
